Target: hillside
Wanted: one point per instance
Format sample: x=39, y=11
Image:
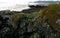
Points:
x=31, y=23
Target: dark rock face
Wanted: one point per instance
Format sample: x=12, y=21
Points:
x=37, y=6
x=4, y=26
x=33, y=9
x=25, y=28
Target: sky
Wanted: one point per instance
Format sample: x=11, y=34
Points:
x=50, y=0
x=9, y=3
x=6, y=3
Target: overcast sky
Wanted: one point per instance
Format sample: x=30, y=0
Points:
x=8, y=3
x=12, y=2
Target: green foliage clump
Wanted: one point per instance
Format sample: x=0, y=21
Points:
x=52, y=13
x=33, y=16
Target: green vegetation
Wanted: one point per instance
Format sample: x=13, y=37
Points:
x=33, y=25
x=52, y=13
